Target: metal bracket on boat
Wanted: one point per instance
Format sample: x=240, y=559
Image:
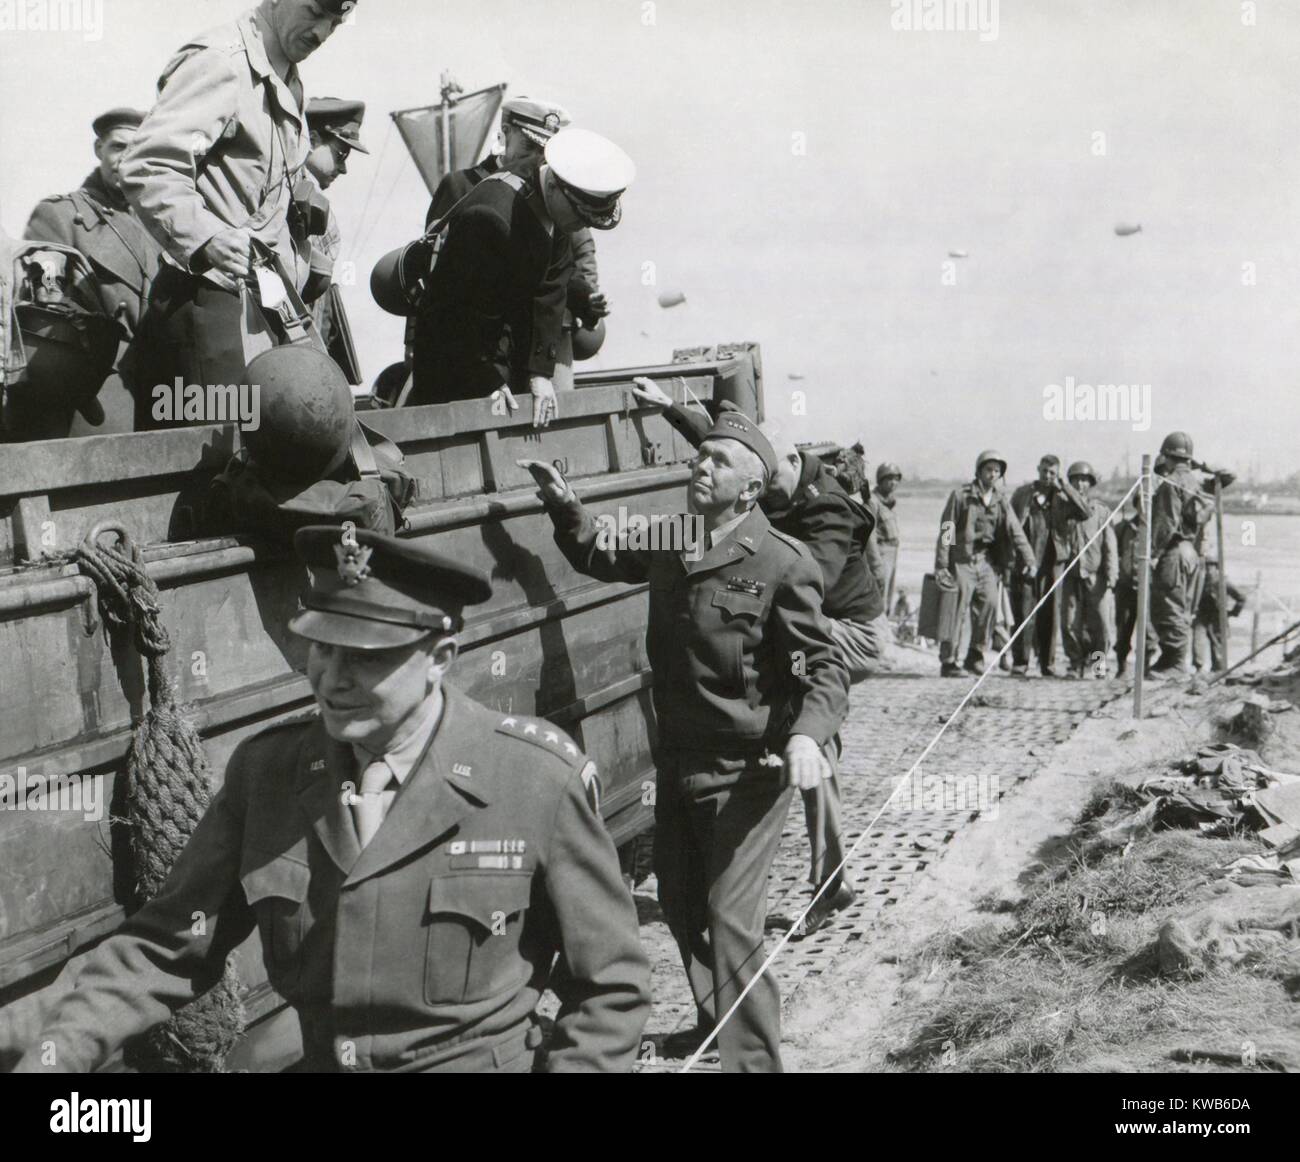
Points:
x=90, y=617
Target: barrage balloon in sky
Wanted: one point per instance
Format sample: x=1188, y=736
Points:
x=1124, y=229
x=673, y=298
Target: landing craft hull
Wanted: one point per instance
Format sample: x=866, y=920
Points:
x=550, y=643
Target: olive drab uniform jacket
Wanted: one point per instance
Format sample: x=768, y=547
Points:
x=1179, y=509
x=428, y=950
x=98, y=222
x=1101, y=557
x=966, y=517
x=836, y=529
x=1047, y=516
x=740, y=651
x=222, y=148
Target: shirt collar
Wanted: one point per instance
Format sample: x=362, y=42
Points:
x=401, y=759
x=256, y=47
x=723, y=531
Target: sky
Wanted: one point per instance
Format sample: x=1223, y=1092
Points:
x=804, y=171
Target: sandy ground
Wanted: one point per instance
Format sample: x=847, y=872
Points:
x=850, y=1019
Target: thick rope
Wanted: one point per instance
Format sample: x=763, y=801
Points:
x=168, y=788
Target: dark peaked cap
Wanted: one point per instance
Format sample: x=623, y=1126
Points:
x=373, y=592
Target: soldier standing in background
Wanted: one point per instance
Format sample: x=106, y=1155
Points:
x=881, y=504
x=97, y=220
x=979, y=534
x=1046, y=507
x=1129, y=547
x=1207, y=643
x=1087, y=606
x=1179, y=512
x=745, y=669
x=212, y=170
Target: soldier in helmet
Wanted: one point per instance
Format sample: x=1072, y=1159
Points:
x=413, y=862
x=979, y=535
x=1087, y=605
x=97, y=220
x=881, y=503
x=1179, y=512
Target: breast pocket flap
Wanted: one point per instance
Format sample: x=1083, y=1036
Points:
x=485, y=899
x=279, y=878
x=738, y=604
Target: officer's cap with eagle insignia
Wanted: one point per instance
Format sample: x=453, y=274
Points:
x=374, y=592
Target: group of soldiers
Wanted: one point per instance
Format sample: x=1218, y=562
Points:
x=1052, y=536
x=223, y=178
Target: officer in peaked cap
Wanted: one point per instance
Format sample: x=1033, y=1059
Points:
x=335, y=127
x=96, y=220
x=745, y=672
x=590, y=173
x=538, y=121
x=413, y=862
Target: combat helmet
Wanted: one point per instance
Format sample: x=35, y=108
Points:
x=305, y=427
x=987, y=455
x=1081, y=468
x=1177, y=445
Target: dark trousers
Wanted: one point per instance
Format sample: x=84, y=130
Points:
x=190, y=329
x=1026, y=591
x=1126, y=616
x=1173, y=596
x=823, y=820
x=718, y=821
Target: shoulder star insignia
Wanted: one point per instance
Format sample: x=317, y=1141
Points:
x=570, y=748
x=531, y=728
x=510, y=722
x=551, y=736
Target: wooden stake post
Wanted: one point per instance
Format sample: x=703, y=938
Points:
x=1144, y=588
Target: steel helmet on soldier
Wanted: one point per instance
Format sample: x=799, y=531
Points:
x=1177, y=445
x=1081, y=468
x=306, y=420
x=987, y=455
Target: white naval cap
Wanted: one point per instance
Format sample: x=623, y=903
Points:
x=594, y=173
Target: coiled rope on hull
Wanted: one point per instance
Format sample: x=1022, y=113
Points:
x=168, y=788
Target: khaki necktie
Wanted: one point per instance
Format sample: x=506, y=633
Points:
x=371, y=805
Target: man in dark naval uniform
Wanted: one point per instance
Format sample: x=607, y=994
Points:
x=97, y=220
x=412, y=861
x=491, y=319
x=746, y=679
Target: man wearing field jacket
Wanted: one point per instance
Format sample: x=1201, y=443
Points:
x=1047, y=508
x=212, y=172
x=1087, y=603
x=979, y=534
x=745, y=672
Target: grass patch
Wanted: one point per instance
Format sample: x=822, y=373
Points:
x=1071, y=983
